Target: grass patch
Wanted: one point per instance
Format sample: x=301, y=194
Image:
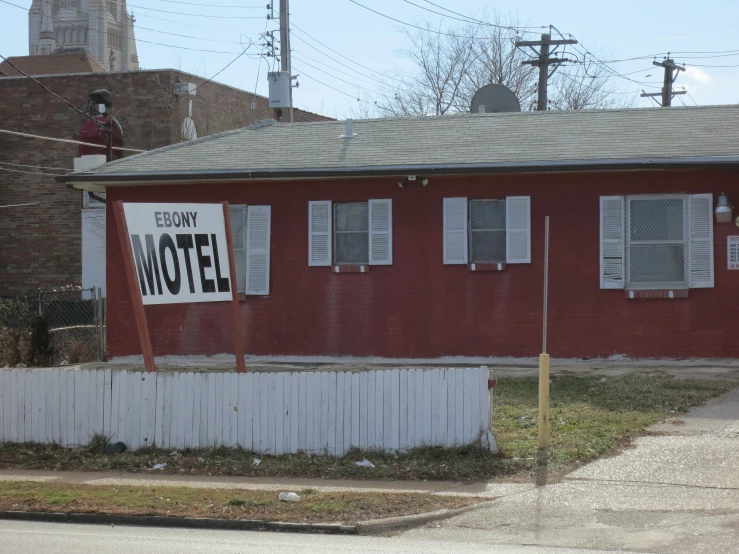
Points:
x=590, y=417
x=188, y=502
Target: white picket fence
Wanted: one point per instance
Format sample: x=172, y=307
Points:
x=274, y=413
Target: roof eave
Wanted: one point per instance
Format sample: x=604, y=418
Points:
x=96, y=180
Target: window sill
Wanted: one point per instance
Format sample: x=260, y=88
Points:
x=351, y=268
x=487, y=267
x=244, y=297
x=653, y=294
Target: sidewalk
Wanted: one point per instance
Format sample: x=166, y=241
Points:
x=480, y=490
x=676, y=491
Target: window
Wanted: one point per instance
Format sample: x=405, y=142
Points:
x=487, y=231
x=657, y=242
x=250, y=233
x=350, y=233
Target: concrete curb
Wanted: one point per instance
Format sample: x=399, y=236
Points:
x=183, y=522
x=402, y=523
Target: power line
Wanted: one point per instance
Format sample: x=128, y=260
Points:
x=347, y=66
x=574, y=78
x=229, y=64
x=137, y=40
x=342, y=80
x=691, y=96
x=335, y=69
x=471, y=20
x=479, y=22
x=414, y=26
x=146, y=28
x=189, y=14
x=709, y=65
x=261, y=6
x=168, y=20
x=332, y=88
x=54, y=139
x=37, y=166
x=54, y=94
x=332, y=50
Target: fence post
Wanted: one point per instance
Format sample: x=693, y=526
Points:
x=95, y=318
x=101, y=323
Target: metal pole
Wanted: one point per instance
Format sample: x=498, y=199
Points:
x=543, y=72
x=544, y=357
x=109, y=148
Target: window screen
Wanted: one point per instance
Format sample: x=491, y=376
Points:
x=351, y=233
x=487, y=231
x=657, y=241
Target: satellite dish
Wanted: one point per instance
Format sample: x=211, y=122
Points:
x=494, y=98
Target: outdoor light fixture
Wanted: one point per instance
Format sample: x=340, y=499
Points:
x=723, y=209
x=424, y=182
x=401, y=184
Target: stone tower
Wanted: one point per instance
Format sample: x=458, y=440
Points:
x=102, y=27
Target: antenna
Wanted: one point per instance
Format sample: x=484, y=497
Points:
x=494, y=98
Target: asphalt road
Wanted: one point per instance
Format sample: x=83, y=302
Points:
x=54, y=538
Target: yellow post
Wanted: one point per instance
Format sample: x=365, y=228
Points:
x=543, y=401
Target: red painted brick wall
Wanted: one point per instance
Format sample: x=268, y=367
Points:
x=419, y=307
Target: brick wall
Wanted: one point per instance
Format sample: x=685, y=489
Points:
x=41, y=244
x=419, y=307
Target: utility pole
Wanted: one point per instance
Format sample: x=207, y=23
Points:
x=285, y=64
x=667, y=93
x=544, y=60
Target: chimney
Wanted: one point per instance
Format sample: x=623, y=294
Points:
x=349, y=130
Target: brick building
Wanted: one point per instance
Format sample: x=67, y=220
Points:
x=424, y=237
x=42, y=242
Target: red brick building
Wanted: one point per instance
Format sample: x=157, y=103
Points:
x=42, y=242
x=425, y=237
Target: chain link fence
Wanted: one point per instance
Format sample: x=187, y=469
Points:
x=52, y=327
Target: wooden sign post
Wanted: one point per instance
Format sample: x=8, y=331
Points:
x=133, y=286
x=235, y=310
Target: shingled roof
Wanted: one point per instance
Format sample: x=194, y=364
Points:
x=61, y=63
x=529, y=141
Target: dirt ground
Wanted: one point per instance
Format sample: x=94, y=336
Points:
x=503, y=367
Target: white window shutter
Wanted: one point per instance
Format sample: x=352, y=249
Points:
x=381, y=232
x=700, y=229
x=518, y=230
x=237, y=215
x=455, y=230
x=612, y=240
x=319, y=233
x=258, y=225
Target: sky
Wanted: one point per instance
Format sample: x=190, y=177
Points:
x=361, y=50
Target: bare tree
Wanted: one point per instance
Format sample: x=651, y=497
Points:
x=449, y=66
x=498, y=61
x=441, y=63
x=587, y=86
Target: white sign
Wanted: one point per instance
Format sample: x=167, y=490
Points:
x=732, y=251
x=180, y=252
